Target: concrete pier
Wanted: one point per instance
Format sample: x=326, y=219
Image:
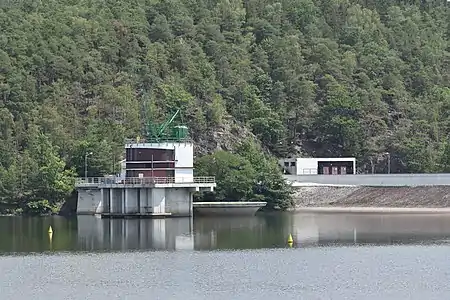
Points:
x=139, y=197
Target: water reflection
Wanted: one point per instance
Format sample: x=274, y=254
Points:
x=347, y=229
x=87, y=233
x=133, y=234
x=241, y=232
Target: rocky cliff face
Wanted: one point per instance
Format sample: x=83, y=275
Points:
x=225, y=136
x=437, y=196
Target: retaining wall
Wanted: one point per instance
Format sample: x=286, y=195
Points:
x=358, y=196
x=375, y=179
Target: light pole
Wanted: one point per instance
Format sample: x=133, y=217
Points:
x=389, y=161
x=85, y=165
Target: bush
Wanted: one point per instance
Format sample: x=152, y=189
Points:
x=39, y=207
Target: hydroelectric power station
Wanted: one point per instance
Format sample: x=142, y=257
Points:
x=156, y=180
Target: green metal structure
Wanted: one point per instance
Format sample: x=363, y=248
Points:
x=168, y=131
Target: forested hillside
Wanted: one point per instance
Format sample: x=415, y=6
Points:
x=305, y=77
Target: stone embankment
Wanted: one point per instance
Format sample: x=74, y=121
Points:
x=360, y=196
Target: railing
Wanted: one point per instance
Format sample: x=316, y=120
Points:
x=168, y=139
x=141, y=180
x=307, y=171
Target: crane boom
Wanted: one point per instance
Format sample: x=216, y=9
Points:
x=167, y=131
x=167, y=123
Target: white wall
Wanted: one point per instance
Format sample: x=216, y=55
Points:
x=184, y=175
x=184, y=156
x=307, y=166
x=89, y=201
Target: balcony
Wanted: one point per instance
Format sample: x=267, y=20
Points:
x=117, y=181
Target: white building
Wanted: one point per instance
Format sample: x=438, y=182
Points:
x=164, y=159
x=157, y=179
x=314, y=166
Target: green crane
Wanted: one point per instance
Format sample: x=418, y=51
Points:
x=167, y=131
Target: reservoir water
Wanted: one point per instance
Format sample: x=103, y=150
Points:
x=334, y=256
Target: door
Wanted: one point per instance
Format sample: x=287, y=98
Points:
x=343, y=170
x=326, y=170
x=334, y=170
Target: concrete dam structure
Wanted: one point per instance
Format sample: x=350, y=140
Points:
x=372, y=190
x=152, y=197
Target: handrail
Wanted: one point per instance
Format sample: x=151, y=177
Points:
x=141, y=180
x=307, y=171
x=163, y=140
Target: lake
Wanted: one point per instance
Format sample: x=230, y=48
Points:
x=334, y=256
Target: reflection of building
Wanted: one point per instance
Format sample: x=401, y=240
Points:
x=313, y=166
x=134, y=234
x=342, y=228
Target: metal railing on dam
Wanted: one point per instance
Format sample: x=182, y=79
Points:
x=96, y=181
x=374, y=179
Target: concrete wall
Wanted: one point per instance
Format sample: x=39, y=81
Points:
x=177, y=201
x=375, y=179
x=89, y=201
x=291, y=165
x=158, y=200
x=131, y=201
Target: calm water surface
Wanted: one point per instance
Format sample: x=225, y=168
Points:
x=335, y=256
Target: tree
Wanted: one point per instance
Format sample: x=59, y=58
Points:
x=247, y=175
x=300, y=77
x=234, y=174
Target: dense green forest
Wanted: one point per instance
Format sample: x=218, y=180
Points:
x=301, y=77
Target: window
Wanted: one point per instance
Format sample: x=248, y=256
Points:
x=293, y=164
x=286, y=164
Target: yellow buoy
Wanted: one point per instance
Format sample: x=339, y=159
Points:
x=50, y=230
x=290, y=239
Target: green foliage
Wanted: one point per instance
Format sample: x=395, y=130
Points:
x=319, y=78
x=248, y=175
x=37, y=208
x=235, y=175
